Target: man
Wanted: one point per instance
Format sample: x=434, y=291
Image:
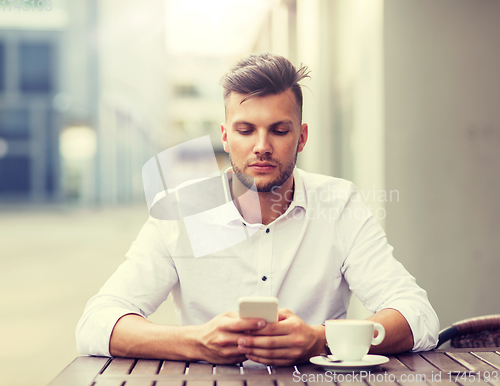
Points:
x=313, y=242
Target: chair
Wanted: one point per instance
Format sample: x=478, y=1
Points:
x=482, y=331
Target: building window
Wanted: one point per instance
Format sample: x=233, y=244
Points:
x=36, y=67
x=15, y=175
x=14, y=124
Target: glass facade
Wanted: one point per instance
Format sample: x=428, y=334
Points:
x=14, y=124
x=15, y=174
x=35, y=67
x=29, y=166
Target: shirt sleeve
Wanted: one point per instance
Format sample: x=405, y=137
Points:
x=377, y=278
x=139, y=286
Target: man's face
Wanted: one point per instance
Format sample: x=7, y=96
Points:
x=263, y=136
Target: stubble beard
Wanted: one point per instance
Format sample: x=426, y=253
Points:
x=285, y=171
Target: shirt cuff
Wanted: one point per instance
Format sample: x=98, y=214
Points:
x=424, y=328
x=94, y=339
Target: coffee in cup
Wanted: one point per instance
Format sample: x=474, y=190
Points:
x=350, y=340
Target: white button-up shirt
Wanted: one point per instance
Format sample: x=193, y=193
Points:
x=324, y=246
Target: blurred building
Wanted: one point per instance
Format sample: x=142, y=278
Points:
x=341, y=42
x=196, y=101
x=132, y=94
x=89, y=92
x=30, y=79
x=48, y=104
x=404, y=98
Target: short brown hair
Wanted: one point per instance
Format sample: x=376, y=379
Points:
x=264, y=74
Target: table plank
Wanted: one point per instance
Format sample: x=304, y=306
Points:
x=252, y=369
x=200, y=368
x=470, y=361
x=351, y=379
x=288, y=370
x=256, y=370
x=383, y=383
x=384, y=378
x=416, y=362
x=119, y=366
x=260, y=382
x=290, y=382
x=200, y=382
x=441, y=379
x=147, y=366
x=144, y=367
x=491, y=358
x=394, y=365
x=138, y=382
x=230, y=383
x=172, y=367
x=354, y=383
x=108, y=382
x=81, y=371
x=173, y=382
x=227, y=369
x=196, y=368
x=443, y=362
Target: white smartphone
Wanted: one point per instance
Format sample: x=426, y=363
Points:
x=259, y=307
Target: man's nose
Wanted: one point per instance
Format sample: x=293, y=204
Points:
x=263, y=145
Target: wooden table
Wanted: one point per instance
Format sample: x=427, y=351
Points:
x=464, y=367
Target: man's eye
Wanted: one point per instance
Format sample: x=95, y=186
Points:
x=245, y=132
x=280, y=132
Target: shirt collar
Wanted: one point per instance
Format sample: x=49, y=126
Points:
x=299, y=195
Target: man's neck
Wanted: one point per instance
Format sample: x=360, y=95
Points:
x=268, y=207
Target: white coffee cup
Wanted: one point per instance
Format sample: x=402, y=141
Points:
x=350, y=340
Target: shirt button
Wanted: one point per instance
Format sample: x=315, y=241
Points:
x=267, y=230
x=264, y=278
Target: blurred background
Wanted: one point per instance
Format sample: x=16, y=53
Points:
x=404, y=100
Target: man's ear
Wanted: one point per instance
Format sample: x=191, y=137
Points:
x=303, y=136
x=224, y=137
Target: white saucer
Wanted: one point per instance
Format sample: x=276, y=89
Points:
x=368, y=362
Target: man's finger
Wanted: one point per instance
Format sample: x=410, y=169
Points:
x=266, y=342
x=277, y=328
x=281, y=353
x=284, y=313
x=245, y=324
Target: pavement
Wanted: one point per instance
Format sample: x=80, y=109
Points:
x=53, y=259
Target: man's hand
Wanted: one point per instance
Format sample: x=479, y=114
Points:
x=215, y=341
x=218, y=338
x=286, y=342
